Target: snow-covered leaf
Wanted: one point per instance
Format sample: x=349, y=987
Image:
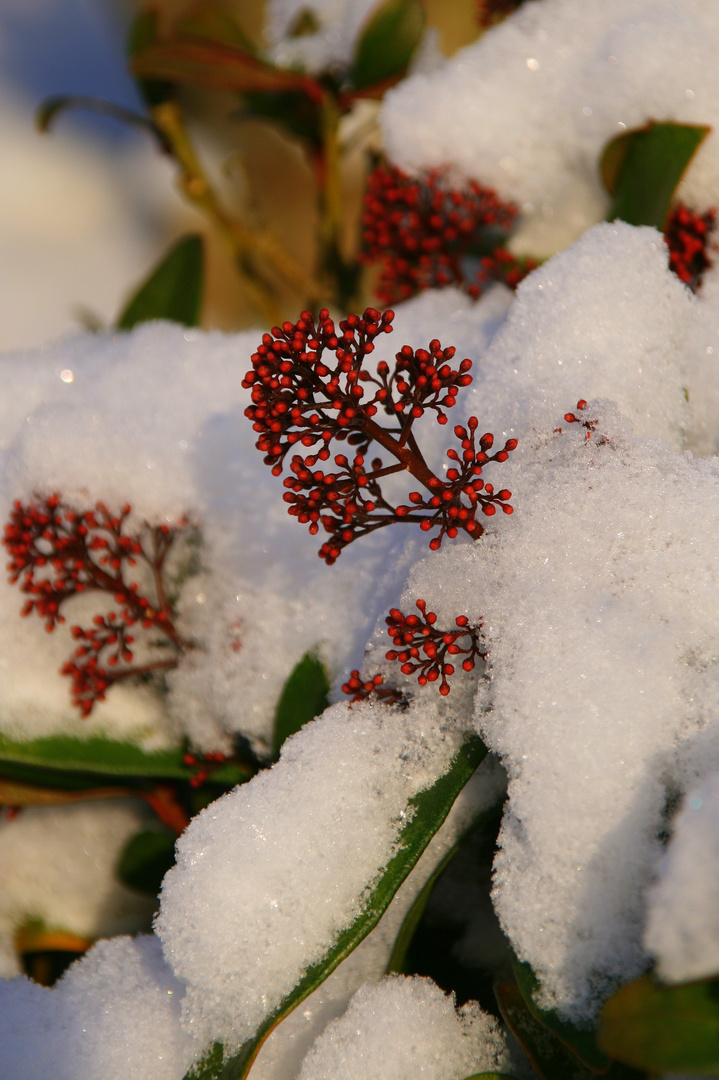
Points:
x=427, y=812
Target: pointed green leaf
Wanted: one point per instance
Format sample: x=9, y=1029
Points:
x=218, y=66
x=144, y=861
x=664, y=1029
x=143, y=34
x=397, y=961
x=303, y=697
x=297, y=114
x=642, y=168
x=582, y=1043
x=387, y=42
x=550, y=1058
x=54, y=759
x=396, y=965
x=210, y=1067
x=173, y=289
x=430, y=808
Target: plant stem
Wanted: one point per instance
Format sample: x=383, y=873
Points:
x=251, y=250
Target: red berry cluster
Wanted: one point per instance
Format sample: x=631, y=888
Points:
x=204, y=765
x=416, y=634
x=309, y=388
x=426, y=234
x=57, y=553
x=490, y=12
x=688, y=236
x=360, y=689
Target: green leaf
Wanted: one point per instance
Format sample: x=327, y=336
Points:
x=387, y=42
x=303, y=697
x=430, y=808
x=297, y=114
x=173, y=289
x=54, y=758
x=549, y=1056
x=210, y=1067
x=218, y=66
x=581, y=1043
x=397, y=961
x=144, y=861
x=396, y=965
x=143, y=34
x=672, y=1029
x=490, y=1076
x=642, y=168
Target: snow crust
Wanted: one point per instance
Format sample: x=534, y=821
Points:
x=399, y=1027
x=114, y=1013
x=268, y=875
x=282, y=1054
x=598, y=600
x=528, y=108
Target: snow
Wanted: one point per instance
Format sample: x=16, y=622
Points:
x=96, y=417
x=528, y=108
x=399, y=1027
x=242, y=909
x=331, y=45
x=282, y=1053
x=598, y=600
x=113, y=1014
x=683, y=925
x=57, y=868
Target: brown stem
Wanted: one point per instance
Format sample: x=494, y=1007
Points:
x=246, y=246
x=411, y=462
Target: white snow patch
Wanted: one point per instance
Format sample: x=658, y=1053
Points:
x=115, y=1013
x=683, y=922
x=401, y=1027
x=269, y=875
x=529, y=107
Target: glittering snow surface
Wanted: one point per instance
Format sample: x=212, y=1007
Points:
x=529, y=107
x=240, y=909
x=598, y=599
x=114, y=1014
x=96, y=417
x=401, y=1027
